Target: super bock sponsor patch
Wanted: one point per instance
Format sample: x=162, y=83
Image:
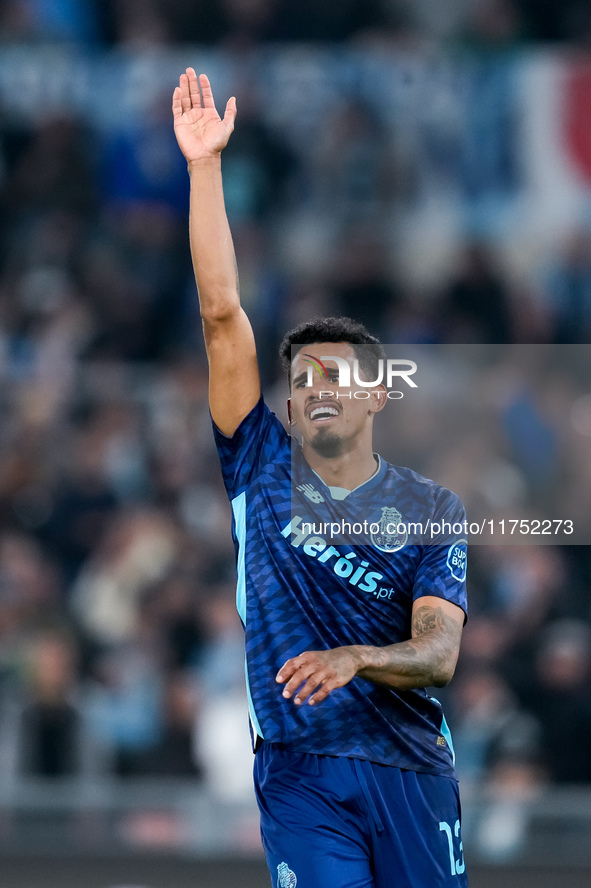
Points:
x=457, y=559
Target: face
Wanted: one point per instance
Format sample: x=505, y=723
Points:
x=330, y=418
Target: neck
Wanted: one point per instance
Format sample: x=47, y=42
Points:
x=347, y=470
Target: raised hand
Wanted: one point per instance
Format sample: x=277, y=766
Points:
x=199, y=129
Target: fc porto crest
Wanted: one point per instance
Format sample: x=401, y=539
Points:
x=389, y=532
x=286, y=878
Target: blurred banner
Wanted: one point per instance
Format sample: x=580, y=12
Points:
x=498, y=141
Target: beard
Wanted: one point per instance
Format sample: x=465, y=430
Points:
x=327, y=444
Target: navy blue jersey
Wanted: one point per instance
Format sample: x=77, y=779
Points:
x=298, y=590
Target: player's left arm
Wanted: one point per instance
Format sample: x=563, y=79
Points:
x=427, y=659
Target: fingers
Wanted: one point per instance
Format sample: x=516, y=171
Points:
x=322, y=693
x=286, y=674
x=184, y=93
x=305, y=675
x=188, y=92
x=177, y=109
x=306, y=680
x=294, y=673
x=194, y=93
x=314, y=689
x=206, y=90
x=230, y=113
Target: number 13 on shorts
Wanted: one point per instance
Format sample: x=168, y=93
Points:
x=457, y=866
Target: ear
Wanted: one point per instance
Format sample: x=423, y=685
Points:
x=289, y=416
x=378, y=399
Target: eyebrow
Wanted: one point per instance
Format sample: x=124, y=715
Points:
x=332, y=371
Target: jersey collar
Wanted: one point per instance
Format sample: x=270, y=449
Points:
x=341, y=493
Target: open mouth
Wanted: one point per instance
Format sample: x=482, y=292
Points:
x=323, y=414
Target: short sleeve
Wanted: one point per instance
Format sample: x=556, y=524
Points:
x=259, y=439
x=442, y=569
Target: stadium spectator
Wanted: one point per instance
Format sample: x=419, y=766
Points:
x=568, y=290
x=560, y=699
x=50, y=729
x=476, y=305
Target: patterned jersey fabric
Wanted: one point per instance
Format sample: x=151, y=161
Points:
x=301, y=588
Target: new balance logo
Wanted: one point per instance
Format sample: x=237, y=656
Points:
x=313, y=495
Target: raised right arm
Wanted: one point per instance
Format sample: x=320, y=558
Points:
x=234, y=386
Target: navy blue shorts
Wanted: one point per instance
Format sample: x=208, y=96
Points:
x=334, y=822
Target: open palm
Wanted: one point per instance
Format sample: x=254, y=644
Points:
x=199, y=129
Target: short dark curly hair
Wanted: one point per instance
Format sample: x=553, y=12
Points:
x=335, y=330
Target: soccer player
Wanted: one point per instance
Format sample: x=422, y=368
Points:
x=354, y=770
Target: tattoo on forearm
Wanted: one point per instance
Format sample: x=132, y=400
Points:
x=430, y=618
x=428, y=658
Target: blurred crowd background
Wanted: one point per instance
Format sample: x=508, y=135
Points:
x=243, y=23
x=422, y=166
